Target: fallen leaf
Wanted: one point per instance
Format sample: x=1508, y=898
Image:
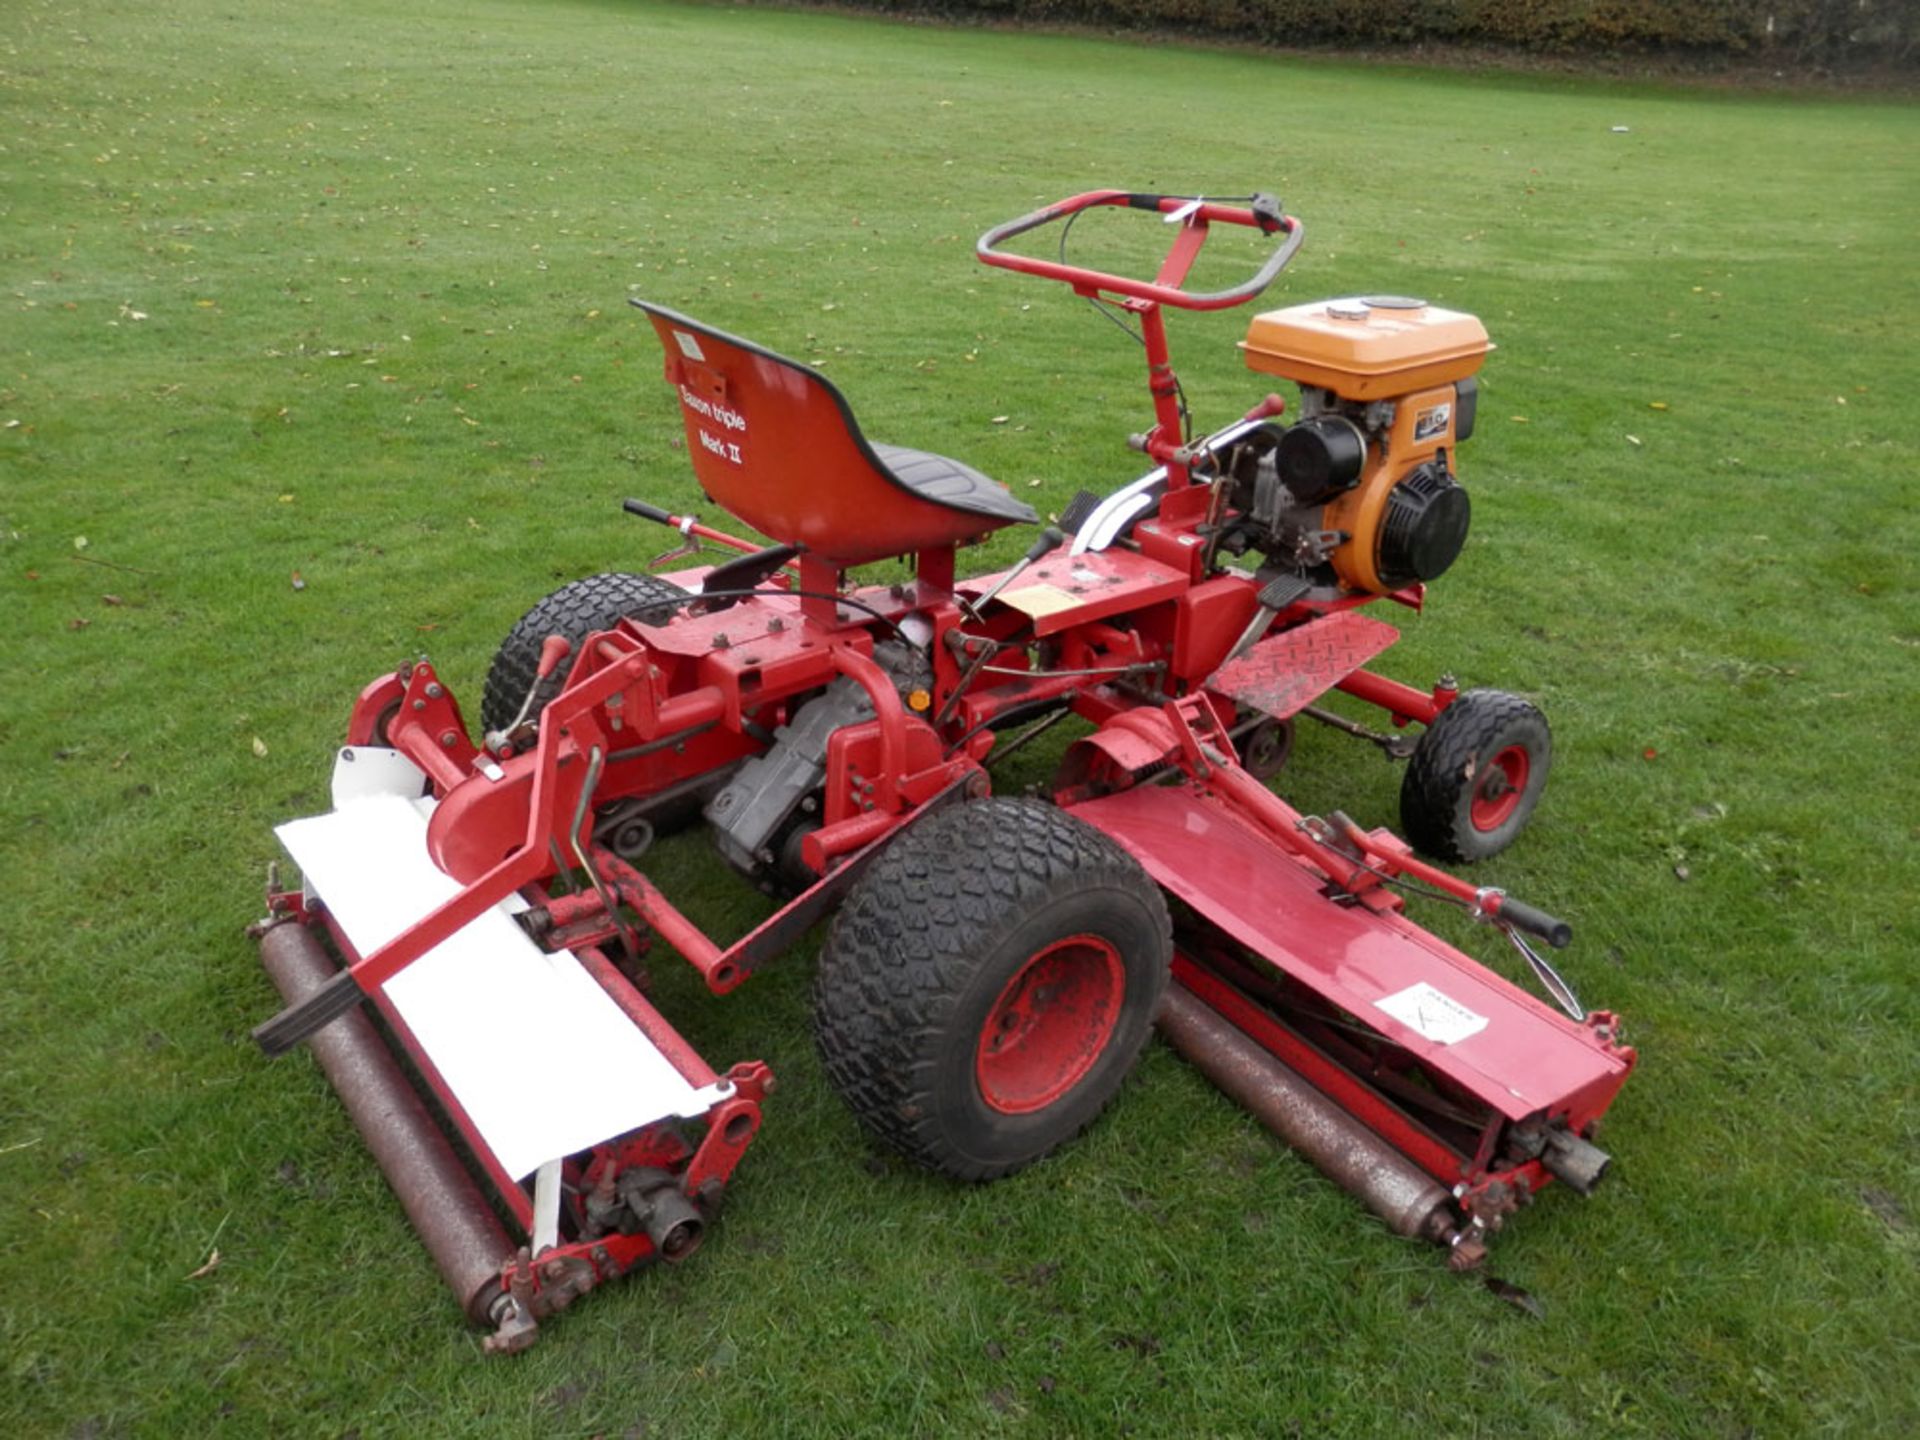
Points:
x=999, y=419
x=1680, y=872
x=1649, y=753
x=1519, y=419
x=1516, y=1297
x=78, y=624
x=298, y=583
x=33, y=574
x=213, y=1264
x=111, y=600
x=80, y=542
x=259, y=747
x=1633, y=439
x=1656, y=405
x=1033, y=484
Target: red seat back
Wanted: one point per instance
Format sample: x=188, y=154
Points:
x=774, y=443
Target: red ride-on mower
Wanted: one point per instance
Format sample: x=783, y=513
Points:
x=995, y=964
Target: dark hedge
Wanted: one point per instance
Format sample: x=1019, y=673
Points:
x=1792, y=33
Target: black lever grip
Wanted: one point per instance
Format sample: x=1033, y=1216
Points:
x=647, y=512
x=1523, y=916
x=1048, y=542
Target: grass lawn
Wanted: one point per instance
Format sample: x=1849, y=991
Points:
x=336, y=294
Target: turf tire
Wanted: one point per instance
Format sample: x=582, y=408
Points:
x=926, y=951
x=575, y=610
x=1475, y=776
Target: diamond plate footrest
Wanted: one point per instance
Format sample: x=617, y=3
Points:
x=1284, y=673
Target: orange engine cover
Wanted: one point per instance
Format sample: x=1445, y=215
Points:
x=1374, y=348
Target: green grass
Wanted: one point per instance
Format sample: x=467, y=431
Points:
x=338, y=290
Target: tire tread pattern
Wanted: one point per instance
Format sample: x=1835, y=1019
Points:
x=575, y=610
x=902, y=950
x=1439, y=775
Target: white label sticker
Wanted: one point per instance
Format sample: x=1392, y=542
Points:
x=1424, y=1009
x=689, y=346
x=1429, y=423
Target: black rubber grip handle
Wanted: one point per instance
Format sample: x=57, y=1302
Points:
x=310, y=1016
x=1523, y=916
x=647, y=512
x=1048, y=542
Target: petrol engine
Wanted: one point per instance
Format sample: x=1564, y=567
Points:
x=1359, y=494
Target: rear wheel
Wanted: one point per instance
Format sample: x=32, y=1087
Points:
x=1476, y=776
x=575, y=610
x=989, y=984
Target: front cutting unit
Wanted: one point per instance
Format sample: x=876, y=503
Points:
x=993, y=965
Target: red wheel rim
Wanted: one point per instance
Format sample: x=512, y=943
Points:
x=1496, y=794
x=1050, y=1025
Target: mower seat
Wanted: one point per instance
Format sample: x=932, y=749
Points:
x=774, y=443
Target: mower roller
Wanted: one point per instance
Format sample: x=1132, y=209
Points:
x=995, y=964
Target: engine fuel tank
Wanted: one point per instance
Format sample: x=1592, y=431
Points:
x=1367, y=348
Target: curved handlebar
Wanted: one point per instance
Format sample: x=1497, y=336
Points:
x=1263, y=215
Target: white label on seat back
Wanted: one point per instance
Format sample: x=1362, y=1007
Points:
x=1434, y=1016
x=689, y=346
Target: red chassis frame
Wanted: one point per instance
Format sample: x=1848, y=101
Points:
x=646, y=707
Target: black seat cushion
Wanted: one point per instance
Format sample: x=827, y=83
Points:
x=946, y=481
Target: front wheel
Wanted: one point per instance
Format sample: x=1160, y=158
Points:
x=989, y=984
x=1476, y=776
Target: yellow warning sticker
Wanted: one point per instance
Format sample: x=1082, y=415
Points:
x=1039, y=600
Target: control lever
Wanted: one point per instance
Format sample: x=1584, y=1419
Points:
x=685, y=524
x=1049, y=541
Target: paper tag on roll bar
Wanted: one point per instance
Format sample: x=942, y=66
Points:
x=1434, y=1016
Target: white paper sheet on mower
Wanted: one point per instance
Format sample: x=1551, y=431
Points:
x=540, y=1057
